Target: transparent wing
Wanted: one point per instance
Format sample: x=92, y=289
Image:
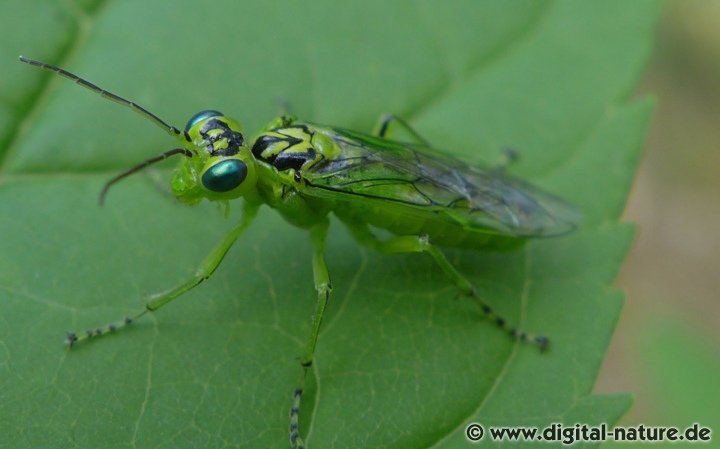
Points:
x=442, y=186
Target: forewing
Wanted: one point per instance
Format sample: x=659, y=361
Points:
x=449, y=189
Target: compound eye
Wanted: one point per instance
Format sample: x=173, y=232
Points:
x=202, y=115
x=225, y=175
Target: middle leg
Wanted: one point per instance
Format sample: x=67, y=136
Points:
x=323, y=288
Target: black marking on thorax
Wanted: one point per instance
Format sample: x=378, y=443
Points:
x=284, y=151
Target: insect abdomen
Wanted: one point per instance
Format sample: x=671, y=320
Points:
x=402, y=221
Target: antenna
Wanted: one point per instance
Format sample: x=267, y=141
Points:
x=140, y=166
x=129, y=104
x=110, y=96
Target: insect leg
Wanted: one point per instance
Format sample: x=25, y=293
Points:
x=384, y=129
x=323, y=288
x=206, y=268
x=422, y=243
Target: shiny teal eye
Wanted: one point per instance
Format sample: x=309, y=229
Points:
x=202, y=115
x=225, y=176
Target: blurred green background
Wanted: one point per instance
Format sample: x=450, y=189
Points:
x=667, y=346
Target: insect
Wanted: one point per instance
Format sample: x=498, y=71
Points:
x=306, y=171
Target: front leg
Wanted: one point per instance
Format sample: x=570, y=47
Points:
x=206, y=268
x=323, y=288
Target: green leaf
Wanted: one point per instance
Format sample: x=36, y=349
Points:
x=399, y=362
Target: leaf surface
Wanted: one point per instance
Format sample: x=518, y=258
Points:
x=399, y=363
